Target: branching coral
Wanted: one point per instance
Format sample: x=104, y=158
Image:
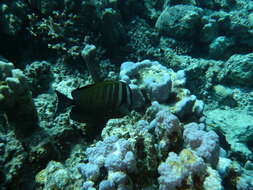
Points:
x=60, y=32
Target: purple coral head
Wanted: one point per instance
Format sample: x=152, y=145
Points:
x=205, y=144
x=159, y=89
x=88, y=185
x=89, y=171
x=167, y=121
x=118, y=177
x=130, y=161
x=106, y=185
x=115, y=162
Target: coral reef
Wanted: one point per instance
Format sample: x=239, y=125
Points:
x=238, y=70
x=89, y=55
x=153, y=81
x=159, y=139
x=13, y=159
x=116, y=161
x=12, y=16
x=16, y=101
x=179, y=21
x=188, y=64
x=117, y=157
x=178, y=168
x=39, y=76
x=205, y=144
x=238, y=131
x=57, y=176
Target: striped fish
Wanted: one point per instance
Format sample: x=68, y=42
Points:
x=102, y=100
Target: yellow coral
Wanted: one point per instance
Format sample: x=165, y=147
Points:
x=187, y=156
x=41, y=177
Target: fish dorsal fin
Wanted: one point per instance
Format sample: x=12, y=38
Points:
x=75, y=93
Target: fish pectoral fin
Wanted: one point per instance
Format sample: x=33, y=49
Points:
x=124, y=110
x=80, y=116
x=77, y=115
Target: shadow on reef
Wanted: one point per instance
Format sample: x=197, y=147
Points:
x=25, y=146
x=31, y=154
x=14, y=46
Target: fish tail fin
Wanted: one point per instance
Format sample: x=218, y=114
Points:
x=63, y=102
